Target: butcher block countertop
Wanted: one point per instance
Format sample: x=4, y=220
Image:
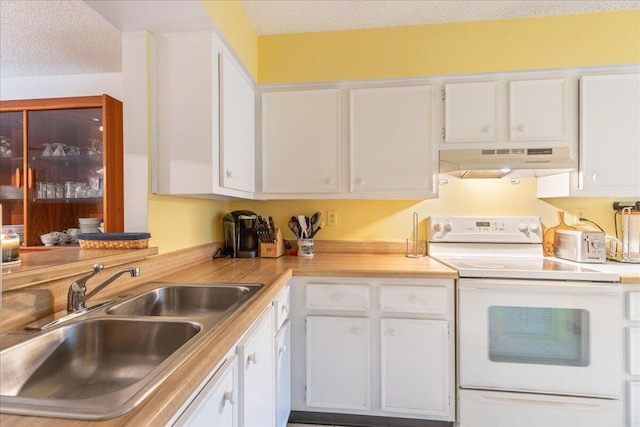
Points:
x=273, y=273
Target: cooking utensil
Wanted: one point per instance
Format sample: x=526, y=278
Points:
x=550, y=233
x=303, y=226
x=295, y=227
x=313, y=222
x=317, y=228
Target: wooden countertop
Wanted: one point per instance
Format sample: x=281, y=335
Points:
x=166, y=400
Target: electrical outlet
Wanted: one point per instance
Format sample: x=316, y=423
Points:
x=332, y=218
x=580, y=213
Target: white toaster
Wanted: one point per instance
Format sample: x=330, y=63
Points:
x=580, y=246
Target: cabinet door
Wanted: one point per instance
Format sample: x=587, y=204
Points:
x=538, y=110
x=257, y=379
x=414, y=362
x=301, y=141
x=216, y=405
x=237, y=124
x=283, y=375
x=471, y=112
x=338, y=362
x=391, y=140
x=187, y=114
x=610, y=134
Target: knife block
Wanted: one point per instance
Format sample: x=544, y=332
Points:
x=272, y=250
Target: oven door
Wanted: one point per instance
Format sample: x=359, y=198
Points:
x=540, y=336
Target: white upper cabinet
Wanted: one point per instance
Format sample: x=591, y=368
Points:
x=609, y=141
x=391, y=141
x=301, y=142
x=508, y=112
x=538, y=110
x=471, y=111
x=204, y=145
x=610, y=133
x=237, y=129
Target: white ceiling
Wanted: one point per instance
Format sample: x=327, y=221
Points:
x=55, y=37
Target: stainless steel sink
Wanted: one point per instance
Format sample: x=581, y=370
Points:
x=186, y=300
x=102, y=364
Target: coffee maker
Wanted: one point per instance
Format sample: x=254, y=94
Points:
x=240, y=234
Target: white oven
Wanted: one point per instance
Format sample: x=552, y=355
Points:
x=538, y=339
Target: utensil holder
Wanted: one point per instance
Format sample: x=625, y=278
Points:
x=272, y=250
x=305, y=248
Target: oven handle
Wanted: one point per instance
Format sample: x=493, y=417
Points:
x=540, y=402
x=540, y=286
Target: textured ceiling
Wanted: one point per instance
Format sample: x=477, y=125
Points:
x=39, y=38
x=56, y=37
x=295, y=16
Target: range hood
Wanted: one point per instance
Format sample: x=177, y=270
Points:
x=500, y=162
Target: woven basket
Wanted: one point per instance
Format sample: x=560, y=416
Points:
x=114, y=244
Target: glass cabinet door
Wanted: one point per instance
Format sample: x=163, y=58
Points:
x=11, y=170
x=65, y=168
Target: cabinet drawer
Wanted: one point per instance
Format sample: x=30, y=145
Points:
x=338, y=297
x=282, y=306
x=413, y=299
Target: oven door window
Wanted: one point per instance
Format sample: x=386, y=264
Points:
x=539, y=335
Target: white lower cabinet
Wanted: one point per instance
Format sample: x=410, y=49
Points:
x=216, y=405
x=257, y=379
x=631, y=352
x=338, y=371
x=381, y=347
x=414, y=366
x=283, y=375
x=282, y=355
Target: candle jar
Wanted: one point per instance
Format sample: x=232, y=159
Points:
x=10, y=243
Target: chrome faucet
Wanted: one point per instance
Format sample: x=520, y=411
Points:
x=77, y=296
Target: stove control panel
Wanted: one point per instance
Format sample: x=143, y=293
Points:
x=490, y=229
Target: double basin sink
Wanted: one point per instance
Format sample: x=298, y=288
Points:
x=102, y=364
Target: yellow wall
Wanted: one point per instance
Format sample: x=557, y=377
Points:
x=392, y=219
x=456, y=48
x=472, y=47
x=231, y=19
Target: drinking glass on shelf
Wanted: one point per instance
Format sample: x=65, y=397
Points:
x=95, y=146
x=59, y=189
x=81, y=190
x=47, y=150
x=59, y=150
x=73, y=151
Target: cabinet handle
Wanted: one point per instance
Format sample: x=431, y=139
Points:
x=229, y=174
x=360, y=182
x=285, y=308
x=229, y=396
x=328, y=181
x=595, y=177
x=282, y=350
x=393, y=332
x=413, y=299
x=252, y=358
x=31, y=179
x=487, y=129
x=522, y=128
x=18, y=178
x=356, y=331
